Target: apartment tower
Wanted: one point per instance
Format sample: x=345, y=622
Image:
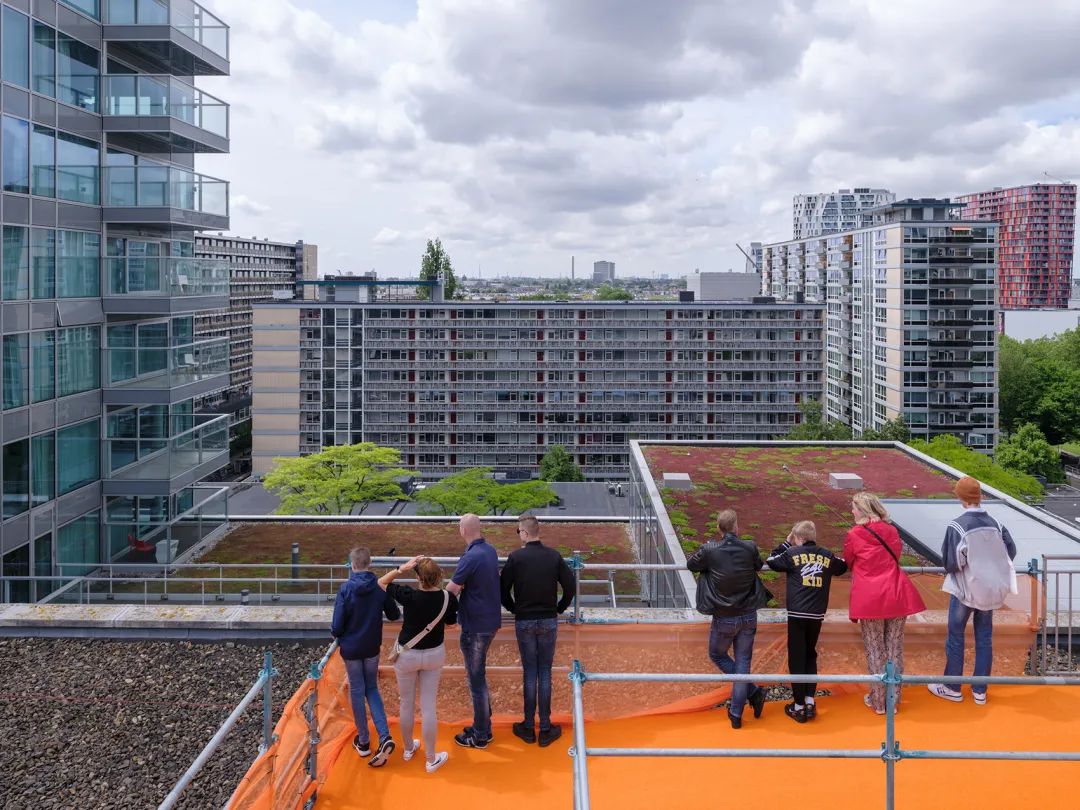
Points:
x=835, y=211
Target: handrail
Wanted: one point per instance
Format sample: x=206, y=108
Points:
x=890, y=752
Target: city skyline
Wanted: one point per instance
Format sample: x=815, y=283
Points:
x=416, y=122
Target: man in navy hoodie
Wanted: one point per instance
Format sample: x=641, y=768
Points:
x=357, y=625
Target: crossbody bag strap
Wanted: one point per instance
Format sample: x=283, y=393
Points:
x=884, y=545
x=412, y=642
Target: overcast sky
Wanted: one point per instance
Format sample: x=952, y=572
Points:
x=654, y=134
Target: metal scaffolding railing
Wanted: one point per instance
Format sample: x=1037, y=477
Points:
x=890, y=752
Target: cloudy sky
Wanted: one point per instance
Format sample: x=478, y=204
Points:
x=654, y=134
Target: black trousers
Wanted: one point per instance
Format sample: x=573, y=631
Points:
x=802, y=638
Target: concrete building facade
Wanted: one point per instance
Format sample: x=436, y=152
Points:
x=455, y=385
x=603, y=272
x=723, y=286
x=102, y=450
x=835, y=211
x=911, y=311
x=1036, y=233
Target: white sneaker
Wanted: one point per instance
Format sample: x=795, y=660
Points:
x=409, y=753
x=942, y=691
x=440, y=760
x=980, y=699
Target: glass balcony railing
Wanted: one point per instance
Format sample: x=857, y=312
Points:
x=150, y=186
x=168, y=276
x=184, y=15
x=165, y=96
x=143, y=367
x=205, y=441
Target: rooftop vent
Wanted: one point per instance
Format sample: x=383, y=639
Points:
x=677, y=481
x=845, y=481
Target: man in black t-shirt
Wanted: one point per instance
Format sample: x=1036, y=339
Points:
x=530, y=581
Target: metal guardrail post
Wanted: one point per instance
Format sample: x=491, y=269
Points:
x=576, y=564
x=578, y=677
x=890, y=749
x=269, y=673
x=1045, y=617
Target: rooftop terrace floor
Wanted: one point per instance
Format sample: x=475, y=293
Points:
x=525, y=777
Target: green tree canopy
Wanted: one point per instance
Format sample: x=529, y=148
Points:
x=950, y=450
x=1028, y=451
x=609, y=292
x=474, y=490
x=435, y=261
x=1039, y=382
x=815, y=427
x=895, y=430
x=336, y=480
x=558, y=465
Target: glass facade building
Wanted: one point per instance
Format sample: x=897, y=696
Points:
x=100, y=123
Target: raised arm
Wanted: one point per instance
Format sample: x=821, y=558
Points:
x=401, y=570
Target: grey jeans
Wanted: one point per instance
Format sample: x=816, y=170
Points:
x=421, y=668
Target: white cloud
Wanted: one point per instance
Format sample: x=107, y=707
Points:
x=653, y=134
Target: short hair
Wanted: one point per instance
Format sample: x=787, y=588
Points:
x=429, y=573
x=726, y=520
x=360, y=557
x=805, y=530
x=870, y=505
x=528, y=522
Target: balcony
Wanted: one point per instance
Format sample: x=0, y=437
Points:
x=160, y=466
x=178, y=37
x=161, y=114
x=150, y=285
x=164, y=195
x=163, y=375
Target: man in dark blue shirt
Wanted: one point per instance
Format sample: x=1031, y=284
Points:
x=476, y=584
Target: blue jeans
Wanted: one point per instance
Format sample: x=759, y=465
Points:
x=536, y=643
x=474, y=649
x=738, y=632
x=364, y=684
x=959, y=613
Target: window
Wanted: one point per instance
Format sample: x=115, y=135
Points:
x=16, y=466
x=89, y=7
x=77, y=73
x=77, y=363
x=43, y=262
x=43, y=365
x=78, y=545
x=78, y=263
x=16, y=264
x=77, y=459
x=43, y=162
x=16, y=563
x=16, y=48
x=44, y=60
x=16, y=371
x=43, y=468
x=77, y=173
x=16, y=155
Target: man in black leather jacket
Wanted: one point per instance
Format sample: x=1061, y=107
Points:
x=729, y=590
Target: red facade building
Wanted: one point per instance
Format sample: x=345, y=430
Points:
x=1035, y=241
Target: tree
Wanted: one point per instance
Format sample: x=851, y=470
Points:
x=895, y=430
x=1028, y=451
x=949, y=449
x=814, y=427
x=1058, y=409
x=434, y=262
x=337, y=480
x=609, y=292
x=558, y=465
x=474, y=490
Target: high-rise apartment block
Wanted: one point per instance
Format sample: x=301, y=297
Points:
x=1036, y=230
x=603, y=272
x=455, y=385
x=835, y=211
x=259, y=270
x=102, y=449
x=910, y=318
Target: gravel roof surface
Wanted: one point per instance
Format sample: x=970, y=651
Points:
x=114, y=724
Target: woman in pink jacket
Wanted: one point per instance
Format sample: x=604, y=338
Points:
x=882, y=596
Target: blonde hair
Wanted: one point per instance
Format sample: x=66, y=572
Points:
x=360, y=558
x=726, y=520
x=429, y=573
x=870, y=505
x=805, y=530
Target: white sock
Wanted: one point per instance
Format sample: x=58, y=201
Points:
x=809, y=701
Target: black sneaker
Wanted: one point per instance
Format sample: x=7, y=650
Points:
x=757, y=702
x=524, y=733
x=550, y=736
x=796, y=713
x=363, y=749
x=470, y=740
x=811, y=711
x=736, y=722
x=382, y=754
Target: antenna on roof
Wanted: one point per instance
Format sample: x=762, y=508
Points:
x=1059, y=179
